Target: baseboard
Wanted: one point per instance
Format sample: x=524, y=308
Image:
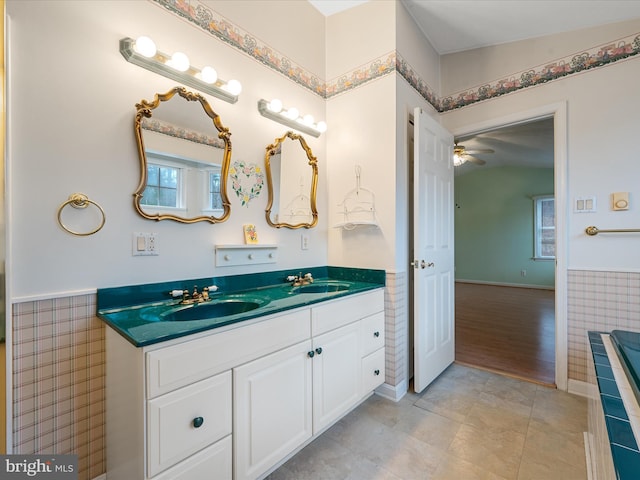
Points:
x=101, y=477
x=578, y=387
x=504, y=284
x=391, y=392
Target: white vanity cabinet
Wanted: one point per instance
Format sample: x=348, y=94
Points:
x=283, y=400
x=233, y=403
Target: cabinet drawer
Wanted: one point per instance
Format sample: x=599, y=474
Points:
x=178, y=365
x=372, y=333
x=340, y=312
x=172, y=430
x=372, y=371
x=212, y=462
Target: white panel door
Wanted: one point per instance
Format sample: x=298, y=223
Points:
x=433, y=250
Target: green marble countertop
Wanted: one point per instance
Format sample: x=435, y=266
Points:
x=151, y=322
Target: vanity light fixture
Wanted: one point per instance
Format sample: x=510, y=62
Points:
x=290, y=117
x=143, y=52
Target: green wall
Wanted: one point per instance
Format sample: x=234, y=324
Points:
x=494, y=225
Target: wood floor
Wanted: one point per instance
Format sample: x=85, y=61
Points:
x=509, y=330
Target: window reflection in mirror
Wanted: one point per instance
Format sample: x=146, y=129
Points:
x=292, y=180
x=184, y=159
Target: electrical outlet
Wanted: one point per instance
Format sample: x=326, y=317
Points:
x=523, y=273
x=304, y=242
x=145, y=244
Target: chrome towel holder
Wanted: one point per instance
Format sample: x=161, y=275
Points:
x=80, y=200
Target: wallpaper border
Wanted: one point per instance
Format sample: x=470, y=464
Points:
x=205, y=18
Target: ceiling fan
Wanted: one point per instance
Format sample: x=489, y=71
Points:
x=461, y=155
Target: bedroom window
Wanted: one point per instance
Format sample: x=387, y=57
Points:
x=544, y=237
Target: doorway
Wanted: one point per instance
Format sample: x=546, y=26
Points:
x=505, y=250
x=557, y=111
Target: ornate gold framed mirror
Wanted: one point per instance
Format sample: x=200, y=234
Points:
x=184, y=153
x=292, y=186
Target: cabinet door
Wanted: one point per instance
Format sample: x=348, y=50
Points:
x=182, y=422
x=272, y=416
x=336, y=374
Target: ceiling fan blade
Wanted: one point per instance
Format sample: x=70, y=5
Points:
x=480, y=150
x=475, y=160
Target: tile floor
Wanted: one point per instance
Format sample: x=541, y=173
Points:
x=468, y=425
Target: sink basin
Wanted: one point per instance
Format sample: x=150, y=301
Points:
x=213, y=309
x=322, y=288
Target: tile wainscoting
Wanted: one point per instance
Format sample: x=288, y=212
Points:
x=396, y=335
x=598, y=301
x=58, y=381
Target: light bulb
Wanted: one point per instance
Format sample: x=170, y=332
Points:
x=307, y=119
x=275, y=105
x=145, y=47
x=180, y=62
x=321, y=127
x=209, y=75
x=233, y=87
x=292, y=113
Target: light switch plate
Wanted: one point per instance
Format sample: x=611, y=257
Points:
x=584, y=205
x=145, y=244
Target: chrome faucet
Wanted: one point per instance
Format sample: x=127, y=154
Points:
x=298, y=280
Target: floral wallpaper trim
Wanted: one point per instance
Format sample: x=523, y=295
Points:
x=247, y=180
x=377, y=68
x=205, y=18
x=409, y=74
x=595, y=57
x=180, y=132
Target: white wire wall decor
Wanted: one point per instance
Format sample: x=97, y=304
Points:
x=358, y=206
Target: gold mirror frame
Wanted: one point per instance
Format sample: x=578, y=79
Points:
x=143, y=110
x=313, y=162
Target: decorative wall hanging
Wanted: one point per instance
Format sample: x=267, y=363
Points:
x=247, y=180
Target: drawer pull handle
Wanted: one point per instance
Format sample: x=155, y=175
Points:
x=197, y=422
x=319, y=350
x=376, y=372
x=311, y=354
x=376, y=334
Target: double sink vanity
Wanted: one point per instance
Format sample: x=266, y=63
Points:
x=239, y=381
x=227, y=377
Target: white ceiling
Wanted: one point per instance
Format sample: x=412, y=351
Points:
x=458, y=25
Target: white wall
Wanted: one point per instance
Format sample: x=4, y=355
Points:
x=362, y=134
x=71, y=97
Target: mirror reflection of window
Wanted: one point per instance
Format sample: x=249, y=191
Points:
x=215, y=198
x=185, y=153
x=162, y=186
